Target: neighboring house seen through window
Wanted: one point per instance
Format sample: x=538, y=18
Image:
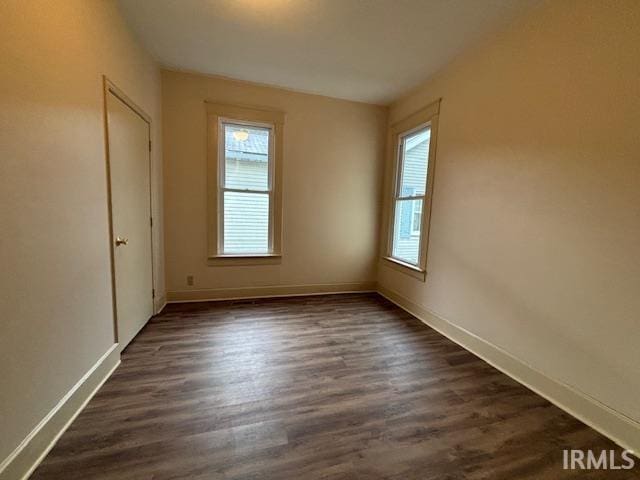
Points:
x=416, y=219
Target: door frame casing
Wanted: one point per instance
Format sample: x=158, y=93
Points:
x=111, y=88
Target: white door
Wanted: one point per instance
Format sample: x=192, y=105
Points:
x=128, y=137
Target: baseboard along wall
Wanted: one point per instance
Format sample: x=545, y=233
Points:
x=267, y=291
x=27, y=456
x=621, y=429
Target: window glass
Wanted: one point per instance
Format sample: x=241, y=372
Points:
x=246, y=156
x=245, y=216
x=246, y=222
x=406, y=232
x=416, y=219
x=413, y=165
x=415, y=162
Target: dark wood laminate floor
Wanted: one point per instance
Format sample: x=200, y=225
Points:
x=328, y=387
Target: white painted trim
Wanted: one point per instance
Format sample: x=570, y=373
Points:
x=21, y=463
x=609, y=422
x=160, y=304
x=184, y=296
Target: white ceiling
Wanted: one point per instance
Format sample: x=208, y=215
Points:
x=365, y=50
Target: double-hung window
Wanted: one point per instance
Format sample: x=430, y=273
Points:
x=245, y=188
x=413, y=155
x=245, y=149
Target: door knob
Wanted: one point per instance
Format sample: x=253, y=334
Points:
x=121, y=241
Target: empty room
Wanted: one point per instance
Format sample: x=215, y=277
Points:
x=319, y=239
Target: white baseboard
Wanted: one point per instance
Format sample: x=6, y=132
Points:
x=27, y=456
x=618, y=427
x=182, y=296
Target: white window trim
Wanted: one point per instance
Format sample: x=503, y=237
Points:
x=426, y=117
x=217, y=115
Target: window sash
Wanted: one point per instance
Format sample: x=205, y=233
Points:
x=222, y=122
x=241, y=251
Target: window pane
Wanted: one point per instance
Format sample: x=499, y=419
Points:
x=415, y=159
x=406, y=231
x=246, y=222
x=246, y=152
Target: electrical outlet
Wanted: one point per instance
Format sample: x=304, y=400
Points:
x=190, y=280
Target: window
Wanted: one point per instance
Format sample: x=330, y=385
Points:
x=412, y=168
x=410, y=206
x=246, y=189
x=244, y=185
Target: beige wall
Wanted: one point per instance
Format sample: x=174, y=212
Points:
x=536, y=216
x=56, y=316
x=535, y=232
x=331, y=186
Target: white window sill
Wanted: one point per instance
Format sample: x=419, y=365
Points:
x=242, y=259
x=409, y=269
